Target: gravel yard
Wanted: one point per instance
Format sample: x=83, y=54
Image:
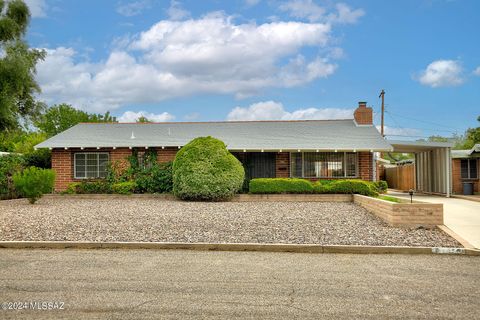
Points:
x=147, y=219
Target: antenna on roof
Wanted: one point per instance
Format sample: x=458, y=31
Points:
x=169, y=133
x=132, y=136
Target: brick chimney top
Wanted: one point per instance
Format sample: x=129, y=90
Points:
x=363, y=115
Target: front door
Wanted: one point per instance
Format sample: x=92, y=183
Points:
x=259, y=165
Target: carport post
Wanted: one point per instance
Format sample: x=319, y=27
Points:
x=448, y=163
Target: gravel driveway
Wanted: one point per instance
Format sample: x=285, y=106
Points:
x=142, y=219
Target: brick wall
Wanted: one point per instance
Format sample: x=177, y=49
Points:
x=62, y=164
x=457, y=181
x=282, y=165
x=167, y=154
x=365, y=165
x=423, y=214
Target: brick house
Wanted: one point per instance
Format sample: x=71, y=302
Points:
x=312, y=149
x=465, y=168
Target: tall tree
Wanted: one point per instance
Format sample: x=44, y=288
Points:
x=17, y=67
x=60, y=117
x=143, y=119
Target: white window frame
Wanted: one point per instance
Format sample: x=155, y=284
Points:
x=344, y=166
x=98, y=164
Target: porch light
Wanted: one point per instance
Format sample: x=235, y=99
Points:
x=81, y=148
x=98, y=148
x=280, y=150
x=163, y=147
x=244, y=150
x=64, y=148
x=336, y=150
x=371, y=150
x=146, y=148
x=299, y=150
x=49, y=148
x=262, y=150
x=354, y=150
x=114, y=148
x=130, y=148
x=179, y=147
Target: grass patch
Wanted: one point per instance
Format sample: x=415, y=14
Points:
x=388, y=198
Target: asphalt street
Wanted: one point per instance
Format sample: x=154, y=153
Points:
x=171, y=284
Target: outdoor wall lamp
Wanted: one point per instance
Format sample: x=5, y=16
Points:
x=410, y=192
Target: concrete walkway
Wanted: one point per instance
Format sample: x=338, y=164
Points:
x=461, y=216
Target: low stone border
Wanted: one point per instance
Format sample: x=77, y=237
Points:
x=295, y=248
x=416, y=214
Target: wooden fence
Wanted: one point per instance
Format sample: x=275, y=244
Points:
x=401, y=177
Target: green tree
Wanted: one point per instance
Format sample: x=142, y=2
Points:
x=59, y=118
x=17, y=67
x=143, y=119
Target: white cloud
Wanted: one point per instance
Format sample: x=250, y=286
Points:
x=307, y=9
x=134, y=8
x=442, y=73
x=176, y=12
x=172, y=59
x=271, y=110
x=477, y=71
x=251, y=3
x=132, y=116
x=38, y=8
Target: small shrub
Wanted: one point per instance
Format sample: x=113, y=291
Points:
x=351, y=186
x=205, y=170
x=381, y=186
x=33, y=182
x=89, y=187
x=280, y=185
x=155, y=179
x=126, y=187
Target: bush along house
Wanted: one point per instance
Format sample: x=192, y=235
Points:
x=465, y=170
x=312, y=149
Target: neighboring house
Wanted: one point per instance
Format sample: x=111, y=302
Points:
x=313, y=149
x=465, y=168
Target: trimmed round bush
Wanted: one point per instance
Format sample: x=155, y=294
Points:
x=205, y=170
x=280, y=185
x=33, y=182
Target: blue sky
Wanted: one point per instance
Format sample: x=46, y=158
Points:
x=264, y=59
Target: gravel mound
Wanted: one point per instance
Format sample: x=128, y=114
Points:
x=151, y=220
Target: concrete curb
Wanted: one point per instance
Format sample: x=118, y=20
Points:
x=296, y=248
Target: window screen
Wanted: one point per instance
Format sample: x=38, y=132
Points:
x=90, y=165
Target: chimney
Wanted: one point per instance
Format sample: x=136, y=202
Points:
x=363, y=115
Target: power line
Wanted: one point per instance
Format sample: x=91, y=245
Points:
x=428, y=122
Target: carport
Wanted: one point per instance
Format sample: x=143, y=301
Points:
x=433, y=164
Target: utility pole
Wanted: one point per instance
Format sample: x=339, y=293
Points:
x=382, y=95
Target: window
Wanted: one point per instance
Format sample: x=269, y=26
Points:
x=468, y=168
x=323, y=164
x=90, y=165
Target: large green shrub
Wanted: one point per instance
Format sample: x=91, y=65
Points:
x=126, y=187
x=33, y=182
x=280, y=185
x=205, y=170
x=157, y=178
x=9, y=165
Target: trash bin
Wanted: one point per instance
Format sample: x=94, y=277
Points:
x=468, y=188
